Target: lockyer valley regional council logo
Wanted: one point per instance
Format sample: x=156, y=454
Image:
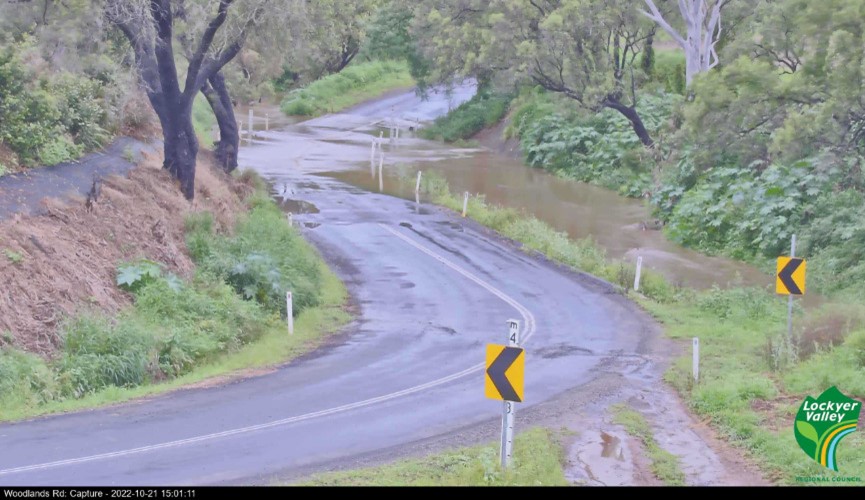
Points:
x=821, y=424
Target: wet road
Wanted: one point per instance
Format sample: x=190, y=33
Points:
x=432, y=290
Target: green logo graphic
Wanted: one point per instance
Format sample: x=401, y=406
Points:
x=821, y=424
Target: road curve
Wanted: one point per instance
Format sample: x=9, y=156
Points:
x=431, y=288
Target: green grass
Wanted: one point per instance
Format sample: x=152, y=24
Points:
x=664, y=465
x=14, y=257
x=751, y=380
x=203, y=120
x=483, y=110
x=353, y=85
x=539, y=236
x=180, y=333
x=273, y=348
x=537, y=461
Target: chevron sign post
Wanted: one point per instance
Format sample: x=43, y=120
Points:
x=503, y=380
x=790, y=281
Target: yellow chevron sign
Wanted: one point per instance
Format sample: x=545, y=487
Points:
x=790, y=276
x=505, y=373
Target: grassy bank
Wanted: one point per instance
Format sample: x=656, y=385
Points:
x=483, y=110
x=752, y=380
x=229, y=316
x=537, y=461
x=203, y=120
x=353, y=85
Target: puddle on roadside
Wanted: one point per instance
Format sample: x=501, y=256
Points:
x=311, y=225
x=600, y=459
x=611, y=447
x=298, y=207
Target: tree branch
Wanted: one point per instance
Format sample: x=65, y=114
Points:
x=213, y=26
x=659, y=18
x=212, y=65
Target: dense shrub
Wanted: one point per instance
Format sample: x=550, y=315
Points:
x=483, y=110
x=599, y=148
x=264, y=259
x=97, y=354
x=669, y=71
x=25, y=379
x=47, y=119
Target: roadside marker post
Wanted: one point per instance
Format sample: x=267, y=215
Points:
x=465, y=202
x=637, y=274
x=790, y=281
x=695, y=364
x=267, y=121
x=417, y=185
x=380, y=171
x=289, y=311
x=250, y=125
x=504, y=381
x=372, y=152
x=290, y=221
x=508, y=409
x=790, y=297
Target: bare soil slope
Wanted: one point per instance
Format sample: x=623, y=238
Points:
x=54, y=264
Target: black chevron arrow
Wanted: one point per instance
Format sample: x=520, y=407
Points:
x=786, y=276
x=497, y=370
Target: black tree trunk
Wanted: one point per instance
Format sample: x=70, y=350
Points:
x=152, y=40
x=229, y=136
x=181, y=146
x=636, y=122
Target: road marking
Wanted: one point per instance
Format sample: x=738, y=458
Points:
x=527, y=315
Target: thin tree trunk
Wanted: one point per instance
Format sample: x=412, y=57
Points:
x=217, y=95
x=636, y=122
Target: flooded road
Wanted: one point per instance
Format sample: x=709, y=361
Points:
x=339, y=147
x=621, y=226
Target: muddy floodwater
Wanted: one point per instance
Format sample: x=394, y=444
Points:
x=622, y=226
x=338, y=147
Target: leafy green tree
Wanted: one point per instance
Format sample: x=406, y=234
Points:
x=388, y=36
x=702, y=20
x=793, y=93
x=587, y=51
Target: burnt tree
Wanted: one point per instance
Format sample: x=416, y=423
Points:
x=149, y=29
x=220, y=102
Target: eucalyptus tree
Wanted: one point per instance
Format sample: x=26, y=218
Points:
x=702, y=20
x=332, y=35
x=587, y=51
x=794, y=91
x=216, y=31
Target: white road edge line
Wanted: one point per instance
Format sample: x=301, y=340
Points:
x=527, y=315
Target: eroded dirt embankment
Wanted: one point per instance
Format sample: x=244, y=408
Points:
x=56, y=264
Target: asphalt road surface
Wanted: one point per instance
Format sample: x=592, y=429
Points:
x=432, y=290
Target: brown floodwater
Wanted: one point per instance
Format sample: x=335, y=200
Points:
x=622, y=226
x=338, y=146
